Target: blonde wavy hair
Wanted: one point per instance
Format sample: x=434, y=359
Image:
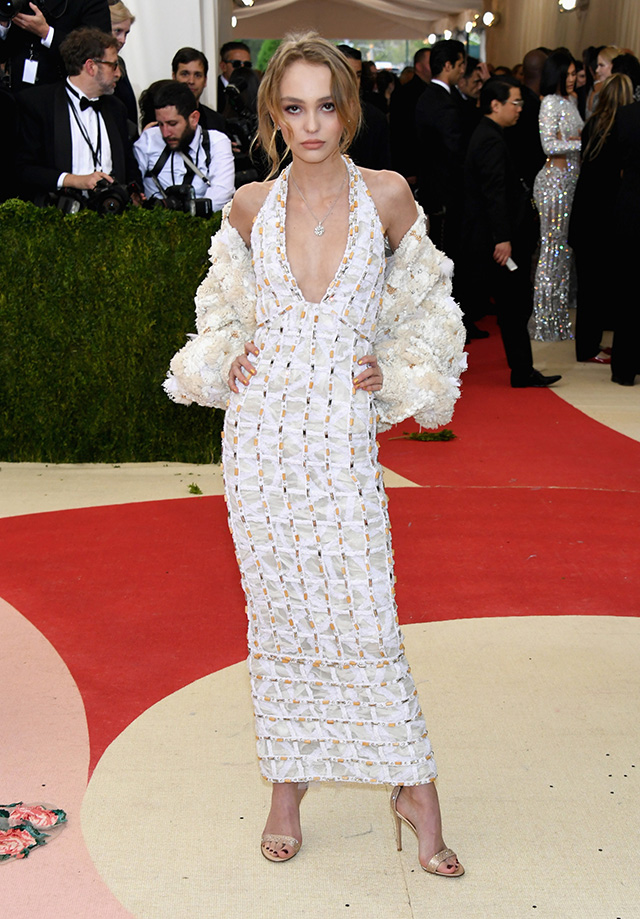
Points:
x=617, y=90
x=312, y=49
x=609, y=53
x=120, y=13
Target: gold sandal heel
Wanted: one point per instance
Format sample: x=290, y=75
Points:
x=273, y=843
x=438, y=858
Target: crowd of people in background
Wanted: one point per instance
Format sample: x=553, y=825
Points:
x=529, y=175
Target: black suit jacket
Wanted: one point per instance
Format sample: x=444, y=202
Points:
x=45, y=138
x=210, y=120
x=440, y=135
x=222, y=96
x=64, y=16
x=626, y=137
x=497, y=207
x=402, y=117
x=370, y=147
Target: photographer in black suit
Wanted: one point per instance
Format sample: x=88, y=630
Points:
x=73, y=134
x=30, y=42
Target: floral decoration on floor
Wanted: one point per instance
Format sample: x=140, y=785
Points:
x=22, y=825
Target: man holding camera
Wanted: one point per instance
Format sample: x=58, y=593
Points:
x=73, y=134
x=30, y=41
x=178, y=156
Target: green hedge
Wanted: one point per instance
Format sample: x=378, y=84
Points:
x=91, y=311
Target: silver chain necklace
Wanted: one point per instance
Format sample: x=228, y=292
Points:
x=319, y=228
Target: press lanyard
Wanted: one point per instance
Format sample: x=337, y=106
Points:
x=97, y=152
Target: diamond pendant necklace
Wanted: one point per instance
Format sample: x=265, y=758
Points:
x=319, y=228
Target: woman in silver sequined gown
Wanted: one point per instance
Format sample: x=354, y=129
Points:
x=332, y=691
x=553, y=191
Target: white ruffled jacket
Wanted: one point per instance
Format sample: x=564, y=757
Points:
x=419, y=343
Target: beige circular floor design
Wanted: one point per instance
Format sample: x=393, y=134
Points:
x=534, y=721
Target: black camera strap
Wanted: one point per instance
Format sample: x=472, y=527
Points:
x=191, y=170
x=97, y=152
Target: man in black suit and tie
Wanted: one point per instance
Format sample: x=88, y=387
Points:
x=498, y=230
x=30, y=42
x=441, y=150
x=402, y=117
x=74, y=133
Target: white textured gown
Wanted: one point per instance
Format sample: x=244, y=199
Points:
x=332, y=693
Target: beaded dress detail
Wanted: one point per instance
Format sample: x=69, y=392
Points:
x=332, y=692
x=553, y=192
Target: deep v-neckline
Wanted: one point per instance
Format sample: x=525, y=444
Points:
x=344, y=258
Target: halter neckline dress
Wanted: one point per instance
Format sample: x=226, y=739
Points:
x=332, y=691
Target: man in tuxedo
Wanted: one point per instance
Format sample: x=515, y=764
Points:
x=191, y=66
x=30, y=43
x=402, y=117
x=441, y=151
x=468, y=87
x=370, y=147
x=74, y=133
x=498, y=237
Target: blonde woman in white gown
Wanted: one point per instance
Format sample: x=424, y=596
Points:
x=331, y=345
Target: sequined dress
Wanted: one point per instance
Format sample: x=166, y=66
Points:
x=553, y=193
x=332, y=692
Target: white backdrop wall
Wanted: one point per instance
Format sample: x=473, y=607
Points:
x=526, y=24
x=160, y=29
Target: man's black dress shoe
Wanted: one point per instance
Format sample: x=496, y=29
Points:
x=474, y=332
x=535, y=378
x=623, y=381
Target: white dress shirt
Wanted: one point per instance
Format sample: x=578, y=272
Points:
x=221, y=170
x=82, y=161
x=443, y=84
x=46, y=41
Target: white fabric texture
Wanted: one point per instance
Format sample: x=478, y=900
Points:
x=332, y=692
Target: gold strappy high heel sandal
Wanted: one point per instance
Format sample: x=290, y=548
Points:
x=273, y=843
x=442, y=856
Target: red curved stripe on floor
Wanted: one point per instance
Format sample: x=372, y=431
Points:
x=516, y=437
x=142, y=599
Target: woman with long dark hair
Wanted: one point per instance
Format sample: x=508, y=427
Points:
x=553, y=190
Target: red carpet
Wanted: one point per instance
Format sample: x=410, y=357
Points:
x=532, y=511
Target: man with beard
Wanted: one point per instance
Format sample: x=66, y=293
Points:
x=73, y=134
x=177, y=151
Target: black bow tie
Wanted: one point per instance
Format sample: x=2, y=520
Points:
x=95, y=104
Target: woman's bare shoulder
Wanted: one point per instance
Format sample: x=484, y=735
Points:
x=247, y=201
x=394, y=202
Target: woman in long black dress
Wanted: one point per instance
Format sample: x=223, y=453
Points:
x=592, y=219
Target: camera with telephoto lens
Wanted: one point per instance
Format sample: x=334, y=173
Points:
x=183, y=198
x=11, y=8
x=106, y=198
x=242, y=124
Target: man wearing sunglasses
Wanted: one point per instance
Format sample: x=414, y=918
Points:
x=74, y=133
x=234, y=55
